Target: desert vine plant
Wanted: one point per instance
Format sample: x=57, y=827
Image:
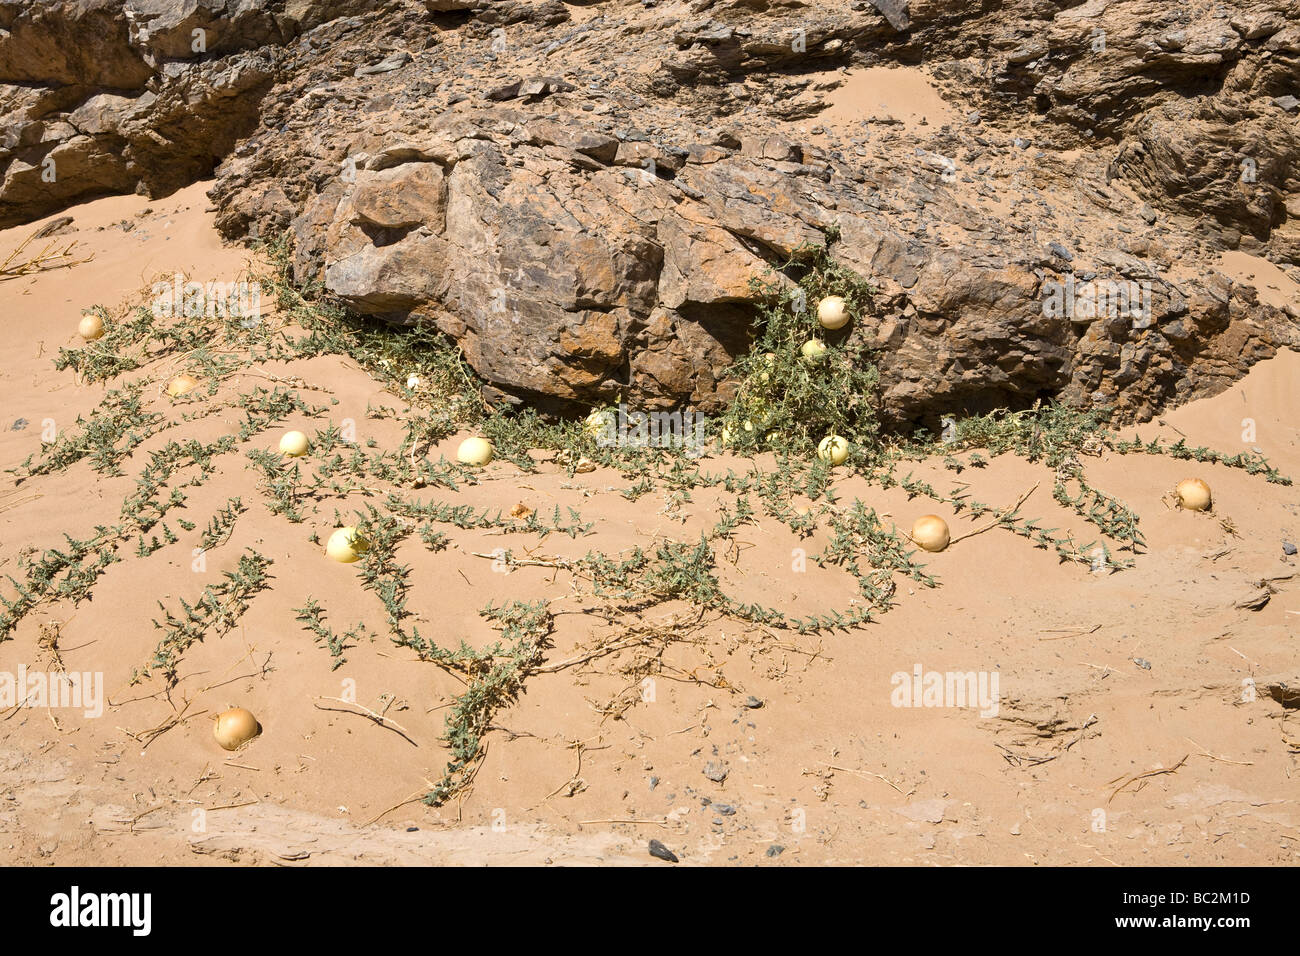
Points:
x=494, y=677
x=312, y=616
x=217, y=610
x=1063, y=438
x=792, y=394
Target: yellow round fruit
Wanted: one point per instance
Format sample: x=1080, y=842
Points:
x=234, y=728
x=761, y=412
x=930, y=532
x=294, y=444
x=598, y=421
x=814, y=350
x=1194, y=495
x=90, y=328
x=346, y=545
x=833, y=312
x=474, y=451
x=834, y=449
x=182, y=384
x=744, y=434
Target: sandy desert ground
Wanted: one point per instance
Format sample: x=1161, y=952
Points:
x=1143, y=716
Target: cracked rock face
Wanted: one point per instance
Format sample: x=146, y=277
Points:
x=580, y=194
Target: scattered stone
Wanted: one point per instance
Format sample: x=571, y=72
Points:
x=536, y=88
x=662, y=852
x=775, y=850
x=894, y=11
x=1288, y=547
x=1060, y=251
x=55, y=227
x=753, y=703
x=715, y=771
x=386, y=65
x=1255, y=599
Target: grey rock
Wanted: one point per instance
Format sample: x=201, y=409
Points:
x=715, y=771
x=661, y=852
x=386, y=65
x=895, y=11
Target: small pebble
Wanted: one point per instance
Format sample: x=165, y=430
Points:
x=1288, y=547
x=775, y=850
x=659, y=851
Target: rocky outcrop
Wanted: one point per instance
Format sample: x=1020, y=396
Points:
x=581, y=195
x=106, y=96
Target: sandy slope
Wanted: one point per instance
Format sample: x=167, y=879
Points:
x=1102, y=677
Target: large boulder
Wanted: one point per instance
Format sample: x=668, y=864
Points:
x=583, y=203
